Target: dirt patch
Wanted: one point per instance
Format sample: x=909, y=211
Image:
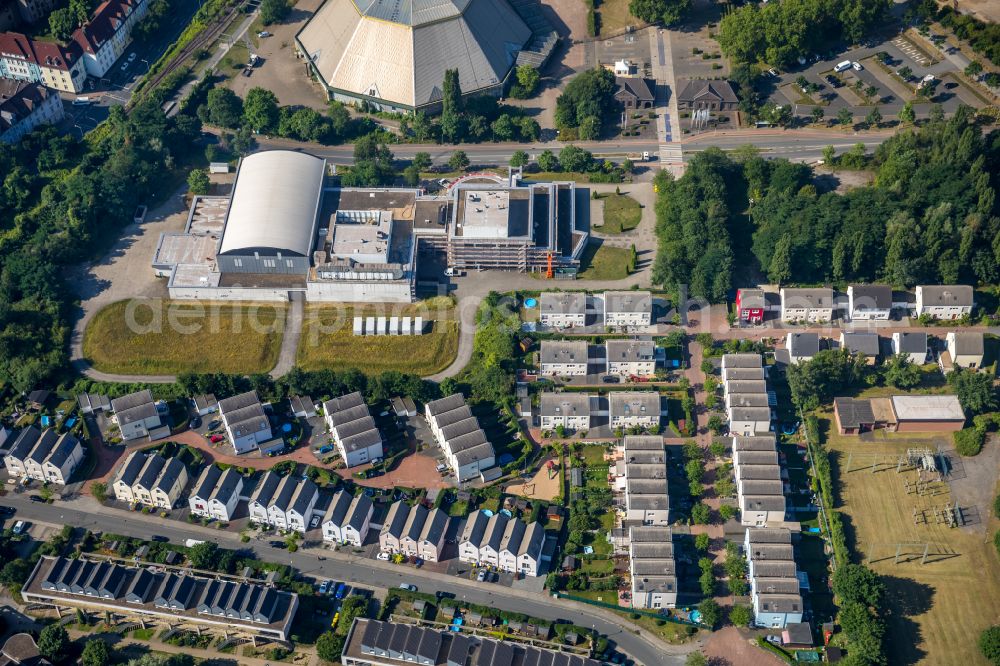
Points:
x=730, y=646
x=544, y=485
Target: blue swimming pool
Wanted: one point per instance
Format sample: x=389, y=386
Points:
x=530, y=303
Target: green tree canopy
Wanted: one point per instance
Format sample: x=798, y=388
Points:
x=225, y=108
x=260, y=110
x=198, y=182
x=54, y=643
x=587, y=94
x=95, y=653
x=273, y=11
x=667, y=12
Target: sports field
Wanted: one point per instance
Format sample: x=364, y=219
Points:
x=937, y=609
x=156, y=336
x=328, y=340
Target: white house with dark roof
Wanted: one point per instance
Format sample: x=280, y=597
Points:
x=774, y=584
x=260, y=499
x=911, y=344
x=966, y=348
x=108, y=32
x=505, y=542
x=126, y=477
x=247, y=425
x=19, y=450
x=864, y=344
x=631, y=357
x=300, y=509
x=302, y=406
x=570, y=410
x=806, y=305
x=627, y=308
x=469, y=453
x=354, y=431
x=944, y=301
x=348, y=519
x=562, y=309
x=137, y=416
x=144, y=485
x=63, y=460
x=801, y=346
x=431, y=539
x=216, y=493
x=643, y=480
x=652, y=568
x=564, y=357
x=205, y=404
x=629, y=409
x=391, y=535
x=867, y=302
x=172, y=481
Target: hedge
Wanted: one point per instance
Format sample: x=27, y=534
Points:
x=822, y=464
x=969, y=441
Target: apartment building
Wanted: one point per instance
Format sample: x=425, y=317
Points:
x=34, y=61
x=628, y=409
x=25, y=106
x=357, y=438
x=774, y=590
x=806, y=305
x=572, y=411
x=562, y=309
x=624, y=309
x=104, y=38
x=564, y=357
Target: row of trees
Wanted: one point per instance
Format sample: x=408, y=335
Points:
x=931, y=216
x=781, y=32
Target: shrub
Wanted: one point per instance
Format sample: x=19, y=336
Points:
x=969, y=441
x=700, y=513
x=741, y=616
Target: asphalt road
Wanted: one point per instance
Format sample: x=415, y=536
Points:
x=801, y=145
x=348, y=568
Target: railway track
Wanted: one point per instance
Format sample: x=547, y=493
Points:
x=205, y=37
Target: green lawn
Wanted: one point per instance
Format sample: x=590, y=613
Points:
x=621, y=213
x=593, y=455
x=604, y=262
x=598, y=567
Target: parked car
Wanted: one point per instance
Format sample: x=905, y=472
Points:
x=19, y=527
x=214, y=424
x=833, y=81
x=383, y=557
x=7, y=510
x=857, y=66
x=37, y=498
x=773, y=72
x=842, y=66
x=277, y=544
x=408, y=586
x=611, y=379
x=194, y=423
x=481, y=576
x=324, y=586
x=125, y=65
x=341, y=592
x=263, y=33
x=215, y=439
x=161, y=539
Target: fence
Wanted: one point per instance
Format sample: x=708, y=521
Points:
x=622, y=609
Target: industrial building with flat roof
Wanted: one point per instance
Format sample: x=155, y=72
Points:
x=283, y=233
x=179, y=598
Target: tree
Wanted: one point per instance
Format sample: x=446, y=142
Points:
x=590, y=128
x=529, y=128
x=547, y=161
x=817, y=114
x=225, y=108
x=95, y=653
x=100, y=492
x=974, y=390
x=353, y=607
x=701, y=542
x=519, y=158
x=15, y=572
x=574, y=158
x=727, y=511
x=503, y=128
x=901, y=373
x=700, y=513
x=741, y=616
x=907, y=114
x=989, y=644
x=874, y=118
x=372, y=164
x=204, y=555
x=828, y=373
x=588, y=94
x=858, y=583
x=411, y=176
x=198, y=181
x=458, y=161
x=527, y=82
x=870, y=92
x=710, y=612
x=780, y=270
x=260, y=110
x=272, y=11
x=716, y=424
x=451, y=107
x=329, y=646
x=845, y=117
x=667, y=12
x=974, y=69
x=54, y=643
x=62, y=23
x=422, y=161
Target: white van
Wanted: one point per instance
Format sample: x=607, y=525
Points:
x=81, y=101
x=842, y=66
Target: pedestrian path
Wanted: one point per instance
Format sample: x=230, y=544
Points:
x=668, y=128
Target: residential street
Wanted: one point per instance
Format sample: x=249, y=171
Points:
x=84, y=512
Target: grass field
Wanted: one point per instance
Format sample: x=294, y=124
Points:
x=936, y=610
x=615, y=16
x=168, y=337
x=328, y=340
x=604, y=262
x=621, y=213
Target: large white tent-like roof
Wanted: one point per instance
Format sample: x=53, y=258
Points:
x=398, y=50
x=274, y=204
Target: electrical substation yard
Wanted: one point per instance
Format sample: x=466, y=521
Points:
x=919, y=529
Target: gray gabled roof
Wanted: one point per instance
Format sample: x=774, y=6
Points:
x=206, y=483
x=969, y=343
x=151, y=471
x=305, y=493
x=911, y=342
x=171, y=472
x=699, y=90
x=25, y=441
x=946, y=295
x=64, y=448
x=564, y=351
x=446, y=404
x=861, y=343
x=337, y=511
x=639, y=87
x=131, y=401
x=266, y=488
x=236, y=402
x=229, y=483
x=563, y=302
x=805, y=345
x=359, y=510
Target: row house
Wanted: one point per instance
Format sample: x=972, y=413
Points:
x=504, y=542
x=414, y=531
x=44, y=456
x=137, y=417
x=151, y=480
x=25, y=106
x=565, y=358
x=216, y=493
x=623, y=309
x=652, y=567
x=801, y=347
x=806, y=305
x=867, y=345
x=750, y=306
x=774, y=581
x=570, y=410
x=48, y=63
x=634, y=409
x=247, y=425
x=631, y=357
x=642, y=477
x=464, y=443
x=283, y=502
x=869, y=302
x=348, y=519
x=354, y=432
x=759, y=487
x=562, y=309
x=912, y=345
x=947, y=302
